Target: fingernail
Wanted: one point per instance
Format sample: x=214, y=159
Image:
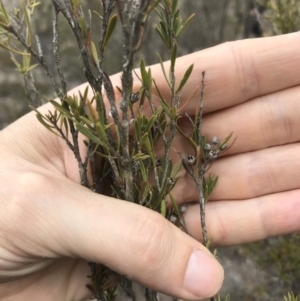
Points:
x=204, y=275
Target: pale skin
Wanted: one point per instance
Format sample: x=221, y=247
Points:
x=50, y=226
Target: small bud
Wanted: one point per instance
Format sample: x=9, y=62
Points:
x=158, y=162
x=110, y=113
x=173, y=219
x=215, y=140
x=171, y=181
x=190, y=160
x=212, y=155
x=182, y=209
x=207, y=147
x=135, y=97
x=131, y=121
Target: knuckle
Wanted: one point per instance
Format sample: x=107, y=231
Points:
x=30, y=184
x=24, y=200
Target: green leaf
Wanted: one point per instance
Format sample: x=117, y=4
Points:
x=110, y=28
x=26, y=61
x=146, y=141
x=146, y=191
x=88, y=122
x=31, y=67
x=101, y=132
x=64, y=122
x=144, y=73
x=177, y=22
x=144, y=173
x=165, y=107
x=174, y=113
x=94, y=53
x=140, y=157
x=225, y=140
x=152, y=6
x=175, y=206
x=87, y=133
x=17, y=64
x=61, y=109
x=174, y=6
x=183, y=27
x=28, y=25
x=150, y=122
x=4, y=16
x=137, y=127
x=188, y=138
x=163, y=70
x=173, y=57
x=162, y=35
x=149, y=83
x=163, y=208
x=185, y=78
x=49, y=127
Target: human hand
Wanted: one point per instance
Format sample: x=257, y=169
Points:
x=251, y=89
x=51, y=226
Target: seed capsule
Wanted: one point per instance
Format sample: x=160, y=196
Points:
x=190, y=160
x=135, y=97
x=158, y=162
x=215, y=140
x=182, y=209
x=173, y=219
x=171, y=181
x=207, y=147
x=212, y=155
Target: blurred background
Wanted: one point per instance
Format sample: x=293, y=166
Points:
x=261, y=271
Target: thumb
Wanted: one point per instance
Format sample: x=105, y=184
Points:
x=128, y=238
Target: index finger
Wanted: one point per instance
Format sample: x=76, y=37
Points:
x=239, y=71
x=235, y=72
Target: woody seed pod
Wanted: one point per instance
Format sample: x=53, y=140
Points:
x=207, y=147
x=182, y=209
x=173, y=219
x=215, y=140
x=212, y=155
x=190, y=160
x=135, y=97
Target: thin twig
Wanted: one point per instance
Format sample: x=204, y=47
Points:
x=150, y=295
x=38, y=57
x=126, y=285
x=201, y=168
x=56, y=49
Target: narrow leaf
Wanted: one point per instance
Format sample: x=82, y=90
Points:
x=110, y=28
x=163, y=69
x=173, y=57
x=175, y=206
x=94, y=53
x=144, y=73
x=183, y=27
x=86, y=132
x=61, y=109
x=185, y=78
x=163, y=208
